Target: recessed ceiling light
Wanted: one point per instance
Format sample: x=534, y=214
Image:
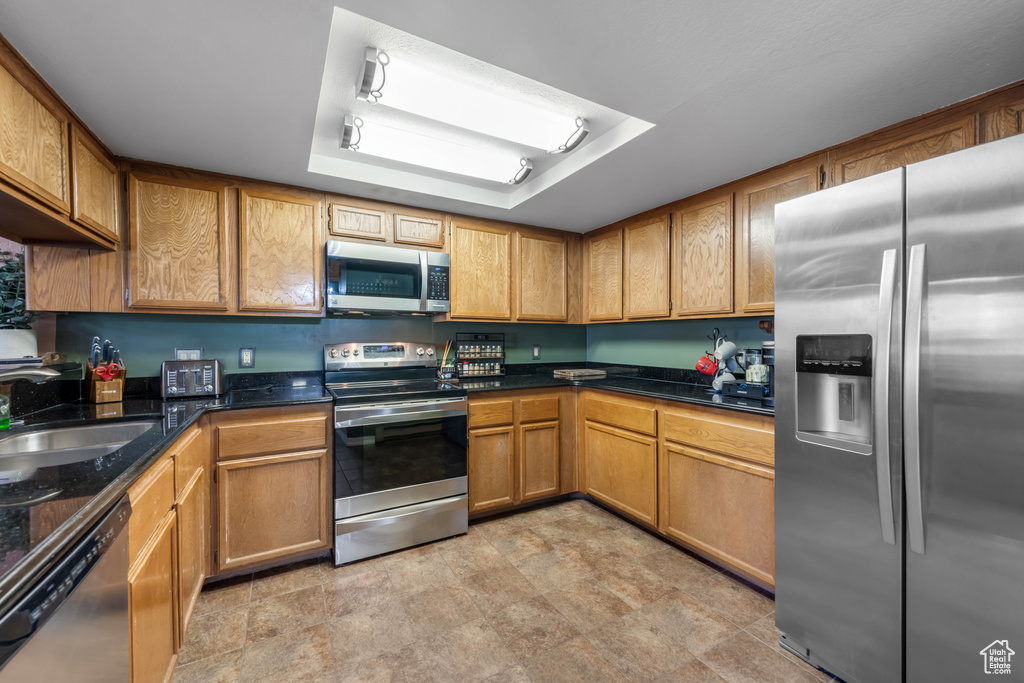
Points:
x=449, y=98
x=418, y=149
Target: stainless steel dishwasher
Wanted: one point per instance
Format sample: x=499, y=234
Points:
x=72, y=624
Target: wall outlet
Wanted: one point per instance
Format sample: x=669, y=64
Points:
x=246, y=358
x=536, y=351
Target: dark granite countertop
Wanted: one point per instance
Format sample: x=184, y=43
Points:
x=34, y=536
x=683, y=392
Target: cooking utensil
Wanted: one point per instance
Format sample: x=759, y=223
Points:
x=108, y=351
x=118, y=359
x=105, y=372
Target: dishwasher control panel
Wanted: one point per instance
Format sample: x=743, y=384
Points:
x=187, y=378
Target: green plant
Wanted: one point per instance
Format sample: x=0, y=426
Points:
x=12, y=292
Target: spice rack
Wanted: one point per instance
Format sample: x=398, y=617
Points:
x=480, y=354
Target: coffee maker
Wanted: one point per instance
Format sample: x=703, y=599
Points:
x=768, y=358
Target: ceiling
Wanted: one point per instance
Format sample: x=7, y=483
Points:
x=732, y=87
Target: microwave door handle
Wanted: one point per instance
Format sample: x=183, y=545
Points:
x=423, y=281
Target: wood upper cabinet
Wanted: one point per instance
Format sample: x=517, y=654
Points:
x=94, y=189
x=755, y=257
x=481, y=270
x=1001, y=122
x=722, y=507
x=886, y=152
x=702, y=257
x=179, y=243
x=71, y=279
x=280, y=261
x=359, y=219
x=153, y=605
x=541, y=276
x=602, y=267
x=646, y=265
x=492, y=471
x=33, y=138
x=419, y=229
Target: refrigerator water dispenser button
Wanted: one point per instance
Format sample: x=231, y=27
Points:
x=846, y=401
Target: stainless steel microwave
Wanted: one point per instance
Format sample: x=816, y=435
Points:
x=371, y=278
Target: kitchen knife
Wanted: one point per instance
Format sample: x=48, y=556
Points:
x=108, y=350
x=94, y=355
x=118, y=360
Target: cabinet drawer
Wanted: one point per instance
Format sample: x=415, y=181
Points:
x=631, y=414
x=189, y=452
x=151, y=497
x=266, y=431
x=490, y=413
x=740, y=434
x=541, y=409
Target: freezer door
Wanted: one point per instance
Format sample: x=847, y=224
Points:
x=838, y=268
x=964, y=412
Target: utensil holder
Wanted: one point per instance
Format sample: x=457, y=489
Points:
x=98, y=391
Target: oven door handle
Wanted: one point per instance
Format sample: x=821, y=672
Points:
x=375, y=519
x=359, y=416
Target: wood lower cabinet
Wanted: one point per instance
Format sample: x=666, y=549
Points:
x=192, y=510
x=179, y=243
x=602, y=272
x=279, y=257
x=481, y=270
x=520, y=448
x=755, y=249
x=621, y=469
x=646, y=286
x=273, y=482
x=154, y=607
x=272, y=507
x=541, y=277
x=722, y=507
x=702, y=258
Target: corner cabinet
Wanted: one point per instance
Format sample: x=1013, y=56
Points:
x=481, y=270
x=755, y=258
x=280, y=242
x=272, y=482
x=179, y=244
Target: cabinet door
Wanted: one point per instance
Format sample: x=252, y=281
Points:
x=722, y=507
x=57, y=279
x=354, y=220
x=620, y=469
x=491, y=468
x=153, y=605
x=94, y=191
x=1001, y=122
x=755, y=274
x=191, y=510
x=33, y=140
x=541, y=276
x=702, y=254
x=179, y=245
x=602, y=263
x=481, y=271
x=272, y=507
x=885, y=155
x=646, y=289
x=279, y=241
x=538, y=451
x=419, y=230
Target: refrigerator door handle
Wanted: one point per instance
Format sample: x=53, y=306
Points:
x=912, y=397
x=887, y=294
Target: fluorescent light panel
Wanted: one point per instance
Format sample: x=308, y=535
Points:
x=396, y=144
x=417, y=90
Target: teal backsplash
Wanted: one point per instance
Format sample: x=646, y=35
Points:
x=668, y=343
x=289, y=344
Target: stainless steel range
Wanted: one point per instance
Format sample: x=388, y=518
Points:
x=399, y=448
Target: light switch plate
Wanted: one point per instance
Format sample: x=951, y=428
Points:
x=247, y=358
x=188, y=354
x=536, y=352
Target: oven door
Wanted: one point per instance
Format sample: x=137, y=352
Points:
x=395, y=454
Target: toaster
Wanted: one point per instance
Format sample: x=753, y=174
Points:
x=185, y=378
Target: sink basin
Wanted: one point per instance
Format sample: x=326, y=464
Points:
x=49, y=447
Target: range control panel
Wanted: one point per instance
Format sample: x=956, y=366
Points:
x=185, y=378
x=378, y=355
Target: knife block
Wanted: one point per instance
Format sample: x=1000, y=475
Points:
x=98, y=391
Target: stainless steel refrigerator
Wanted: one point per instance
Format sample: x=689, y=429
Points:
x=899, y=428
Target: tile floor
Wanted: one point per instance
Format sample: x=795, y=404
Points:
x=566, y=592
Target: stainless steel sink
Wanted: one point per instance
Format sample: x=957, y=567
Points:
x=21, y=454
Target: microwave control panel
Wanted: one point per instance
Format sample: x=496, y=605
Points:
x=437, y=283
